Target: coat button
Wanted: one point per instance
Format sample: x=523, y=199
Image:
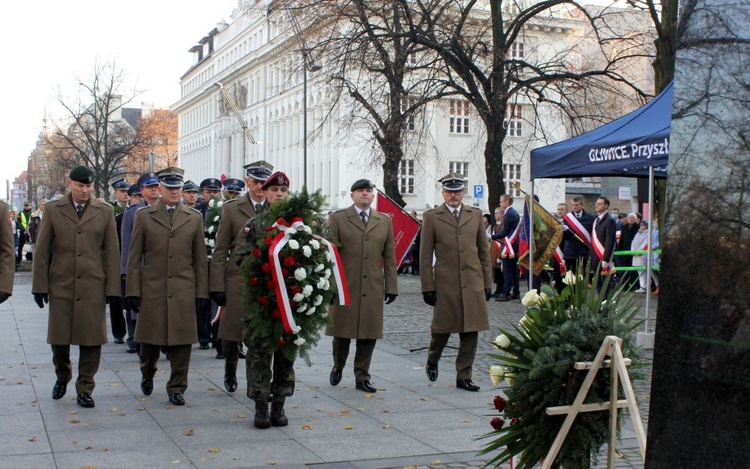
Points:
x=79, y=231
x=170, y=296
x=171, y=235
x=79, y=254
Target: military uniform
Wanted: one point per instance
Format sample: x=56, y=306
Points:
x=167, y=271
x=76, y=267
x=369, y=259
x=116, y=318
x=460, y=281
x=7, y=254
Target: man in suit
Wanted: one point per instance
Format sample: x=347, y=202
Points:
x=167, y=280
x=460, y=283
x=116, y=318
x=367, y=250
x=148, y=184
x=227, y=283
x=509, y=238
x=76, y=271
x=602, y=238
x=7, y=253
x=576, y=235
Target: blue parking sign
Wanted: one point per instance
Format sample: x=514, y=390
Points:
x=479, y=191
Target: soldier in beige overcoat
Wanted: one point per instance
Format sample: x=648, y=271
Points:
x=365, y=240
x=7, y=254
x=226, y=281
x=76, y=270
x=167, y=280
x=460, y=284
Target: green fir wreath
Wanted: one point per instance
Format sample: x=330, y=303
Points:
x=537, y=363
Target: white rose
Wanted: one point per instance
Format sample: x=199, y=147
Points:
x=293, y=244
x=318, y=300
x=300, y=273
x=290, y=231
x=311, y=310
x=319, y=267
x=315, y=244
x=530, y=298
x=296, y=330
x=210, y=229
x=502, y=341
x=306, y=251
x=328, y=256
x=211, y=203
x=497, y=373
x=570, y=278
x=211, y=243
x=306, y=229
x=299, y=341
x=220, y=203
x=327, y=286
x=302, y=308
x=327, y=273
x=307, y=291
x=298, y=297
x=543, y=298
x=321, y=283
x=217, y=218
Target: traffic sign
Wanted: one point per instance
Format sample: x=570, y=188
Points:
x=478, y=191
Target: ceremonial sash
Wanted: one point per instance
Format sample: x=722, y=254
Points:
x=499, y=248
x=578, y=229
x=560, y=261
x=597, y=245
x=508, y=243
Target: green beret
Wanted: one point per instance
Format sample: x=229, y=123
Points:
x=362, y=184
x=82, y=174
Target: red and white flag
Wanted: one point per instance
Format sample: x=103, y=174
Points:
x=405, y=227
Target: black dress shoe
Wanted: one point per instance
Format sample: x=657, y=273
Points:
x=118, y=340
x=177, y=399
x=85, y=400
x=467, y=384
x=515, y=296
x=230, y=383
x=131, y=349
x=219, y=356
x=503, y=297
x=147, y=386
x=203, y=346
x=366, y=386
x=58, y=390
x=335, y=377
x=241, y=355
x=432, y=371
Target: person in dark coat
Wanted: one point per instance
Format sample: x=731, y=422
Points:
x=368, y=254
x=460, y=283
x=509, y=237
x=7, y=253
x=167, y=280
x=577, y=235
x=602, y=239
x=116, y=318
x=76, y=272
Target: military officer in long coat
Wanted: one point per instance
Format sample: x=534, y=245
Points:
x=7, y=253
x=167, y=280
x=460, y=283
x=76, y=269
x=367, y=250
x=226, y=282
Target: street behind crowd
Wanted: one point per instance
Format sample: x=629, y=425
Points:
x=409, y=422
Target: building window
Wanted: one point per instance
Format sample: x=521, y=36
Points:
x=459, y=116
x=462, y=168
x=516, y=51
x=406, y=176
x=406, y=103
x=512, y=179
x=512, y=120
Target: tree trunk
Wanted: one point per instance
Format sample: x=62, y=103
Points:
x=392, y=157
x=493, y=162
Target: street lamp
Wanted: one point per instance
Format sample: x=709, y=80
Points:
x=313, y=67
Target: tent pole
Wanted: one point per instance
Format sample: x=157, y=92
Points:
x=530, y=234
x=648, y=246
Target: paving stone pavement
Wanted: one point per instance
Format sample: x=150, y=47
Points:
x=409, y=422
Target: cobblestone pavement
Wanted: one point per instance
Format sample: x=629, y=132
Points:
x=407, y=325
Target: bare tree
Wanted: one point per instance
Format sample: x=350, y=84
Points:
x=95, y=132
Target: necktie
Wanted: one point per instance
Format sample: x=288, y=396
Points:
x=258, y=208
x=455, y=213
x=79, y=210
x=363, y=216
x=170, y=211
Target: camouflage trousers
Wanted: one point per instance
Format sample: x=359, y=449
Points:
x=264, y=380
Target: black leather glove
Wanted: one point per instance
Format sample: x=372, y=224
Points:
x=430, y=297
x=487, y=293
x=41, y=299
x=202, y=303
x=4, y=295
x=389, y=297
x=218, y=297
x=133, y=303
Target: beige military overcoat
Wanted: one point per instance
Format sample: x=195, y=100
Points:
x=225, y=273
x=76, y=261
x=168, y=270
x=462, y=268
x=7, y=250
x=370, y=267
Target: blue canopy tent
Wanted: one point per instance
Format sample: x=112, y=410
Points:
x=636, y=145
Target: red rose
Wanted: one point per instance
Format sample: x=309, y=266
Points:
x=514, y=421
x=262, y=300
x=292, y=304
x=266, y=267
x=276, y=314
x=296, y=289
x=268, y=241
x=256, y=252
x=497, y=423
x=289, y=261
x=281, y=342
x=253, y=281
x=285, y=272
x=499, y=403
x=271, y=284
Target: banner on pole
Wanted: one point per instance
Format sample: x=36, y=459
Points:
x=405, y=227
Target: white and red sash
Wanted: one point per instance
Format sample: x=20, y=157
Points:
x=596, y=244
x=575, y=225
x=560, y=260
x=499, y=247
x=508, y=243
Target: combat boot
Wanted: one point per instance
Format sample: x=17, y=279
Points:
x=278, y=418
x=262, y=420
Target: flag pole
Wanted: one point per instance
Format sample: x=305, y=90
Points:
x=530, y=234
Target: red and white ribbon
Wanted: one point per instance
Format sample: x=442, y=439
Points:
x=282, y=295
x=508, y=242
x=575, y=225
x=596, y=244
x=560, y=260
